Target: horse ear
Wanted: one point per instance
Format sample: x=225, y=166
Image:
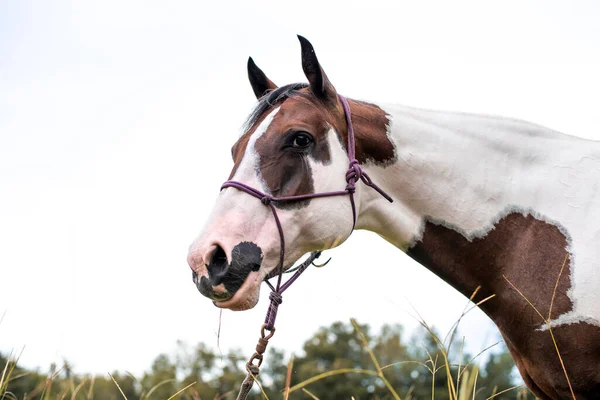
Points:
x=259, y=81
x=318, y=82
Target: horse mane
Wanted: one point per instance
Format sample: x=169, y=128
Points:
x=271, y=99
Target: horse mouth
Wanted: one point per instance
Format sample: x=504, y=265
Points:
x=218, y=293
x=245, y=298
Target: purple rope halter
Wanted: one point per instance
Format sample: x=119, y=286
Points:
x=353, y=175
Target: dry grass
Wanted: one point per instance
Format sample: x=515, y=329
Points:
x=71, y=391
x=461, y=380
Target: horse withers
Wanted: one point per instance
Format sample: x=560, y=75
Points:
x=481, y=201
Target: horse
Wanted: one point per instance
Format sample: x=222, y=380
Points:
x=499, y=207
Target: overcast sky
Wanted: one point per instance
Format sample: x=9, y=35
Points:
x=116, y=120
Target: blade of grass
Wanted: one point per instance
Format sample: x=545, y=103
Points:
x=406, y=362
x=310, y=394
x=462, y=346
x=451, y=388
x=332, y=373
x=77, y=388
x=365, y=343
x=463, y=388
x=262, y=390
x=9, y=367
x=547, y=322
x=159, y=384
x=90, y=394
x=21, y=375
x=504, y=391
x=380, y=373
x=454, y=327
x=5, y=373
x=475, y=305
x=495, y=390
x=434, y=369
x=118, y=387
x=136, y=380
x=409, y=393
x=475, y=382
x=180, y=391
x=480, y=353
x=48, y=384
x=288, y=379
x=556, y=286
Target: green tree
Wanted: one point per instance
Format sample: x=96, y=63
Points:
x=197, y=365
x=333, y=348
x=21, y=383
x=162, y=378
x=103, y=387
x=416, y=366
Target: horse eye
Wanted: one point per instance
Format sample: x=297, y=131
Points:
x=301, y=141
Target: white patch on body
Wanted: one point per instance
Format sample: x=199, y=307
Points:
x=470, y=170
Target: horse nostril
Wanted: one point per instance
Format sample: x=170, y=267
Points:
x=217, y=266
x=218, y=259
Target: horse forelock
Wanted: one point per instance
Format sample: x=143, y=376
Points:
x=270, y=100
x=264, y=106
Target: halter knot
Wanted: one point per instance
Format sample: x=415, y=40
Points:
x=276, y=298
x=353, y=174
x=266, y=200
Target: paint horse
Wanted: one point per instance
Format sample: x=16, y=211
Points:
x=501, y=204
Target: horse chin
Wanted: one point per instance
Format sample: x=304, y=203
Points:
x=246, y=296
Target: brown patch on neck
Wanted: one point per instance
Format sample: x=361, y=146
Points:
x=527, y=251
x=530, y=253
x=371, y=132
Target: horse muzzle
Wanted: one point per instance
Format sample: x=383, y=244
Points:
x=220, y=279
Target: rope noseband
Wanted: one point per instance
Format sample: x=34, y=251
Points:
x=353, y=175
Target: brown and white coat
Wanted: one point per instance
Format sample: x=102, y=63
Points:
x=481, y=201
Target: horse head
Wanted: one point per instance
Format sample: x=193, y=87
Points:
x=294, y=143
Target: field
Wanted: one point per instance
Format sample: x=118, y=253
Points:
x=342, y=361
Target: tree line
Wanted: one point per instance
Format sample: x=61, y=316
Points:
x=342, y=361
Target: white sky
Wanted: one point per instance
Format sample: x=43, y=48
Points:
x=116, y=120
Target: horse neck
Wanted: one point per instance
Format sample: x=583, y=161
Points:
x=445, y=167
x=452, y=173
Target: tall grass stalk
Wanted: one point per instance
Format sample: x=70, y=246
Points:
x=461, y=381
x=547, y=321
